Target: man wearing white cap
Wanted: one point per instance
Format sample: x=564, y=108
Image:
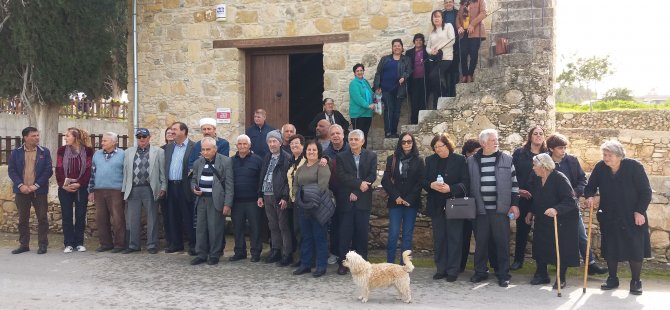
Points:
x=208, y=128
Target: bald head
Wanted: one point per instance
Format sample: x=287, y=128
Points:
x=322, y=129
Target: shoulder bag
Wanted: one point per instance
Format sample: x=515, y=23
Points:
x=460, y=208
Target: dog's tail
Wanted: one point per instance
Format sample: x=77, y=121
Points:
x=407, y=260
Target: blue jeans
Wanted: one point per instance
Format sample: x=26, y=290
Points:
x=313, y=237
x=73, y=232
x=582, y=242
x=398, y=215
x=391, y=111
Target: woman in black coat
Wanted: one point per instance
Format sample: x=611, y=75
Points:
x=402, y=183
x=625, y=194
x=552, y=197
x=447, y=234
x=331, y=115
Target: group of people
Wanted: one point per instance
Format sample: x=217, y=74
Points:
x=316, y=201
x=428, y=70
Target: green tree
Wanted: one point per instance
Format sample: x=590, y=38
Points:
x=585, y=71
x=618, y=94
x=53, y=48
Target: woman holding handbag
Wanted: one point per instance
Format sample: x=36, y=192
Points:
x=402, y=182
x=446, y=176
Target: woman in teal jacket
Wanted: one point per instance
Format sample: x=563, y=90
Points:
x=360, y=101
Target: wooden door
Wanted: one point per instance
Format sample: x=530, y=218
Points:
x=267, y=81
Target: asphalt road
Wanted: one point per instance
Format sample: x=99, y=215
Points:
x=138, y=281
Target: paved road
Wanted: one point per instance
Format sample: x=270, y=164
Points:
x=112, y=281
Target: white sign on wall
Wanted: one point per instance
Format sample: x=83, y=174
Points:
x=223, y=115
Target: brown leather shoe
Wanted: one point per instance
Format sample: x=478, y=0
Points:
x=464, y=79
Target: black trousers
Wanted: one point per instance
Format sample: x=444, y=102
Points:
x=438, y=85
x=242, y=213
x=468, y=228
x=447, y=241
x=354, y=229
x=469, y=49
x=522, y=231
x=417, y=98
x=496, y=226
x=180, y=216
x=40, y=203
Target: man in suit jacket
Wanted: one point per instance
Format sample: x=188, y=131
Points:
x=356, y=171
x=143, y=184
x=212, y=183
x=179, y=195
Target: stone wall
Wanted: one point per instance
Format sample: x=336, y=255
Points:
x=652, y=120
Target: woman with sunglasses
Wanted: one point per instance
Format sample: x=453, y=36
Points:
x=402, y=183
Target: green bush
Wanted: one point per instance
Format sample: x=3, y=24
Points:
x=611, y=105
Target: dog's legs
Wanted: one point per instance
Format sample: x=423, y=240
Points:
x=404, y=289
x=365, y=293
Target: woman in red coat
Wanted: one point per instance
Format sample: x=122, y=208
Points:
x=73, y=171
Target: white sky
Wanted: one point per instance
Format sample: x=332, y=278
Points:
x=636, y=36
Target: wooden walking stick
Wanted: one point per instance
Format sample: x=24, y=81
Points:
x=588, y=251
x=558, y=256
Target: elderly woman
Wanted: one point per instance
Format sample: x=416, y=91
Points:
x=331, y=115
x=392, y=72
x=313, y=232
x=402, y=181
x=625, y=194
x=552, y=197
x=73, y=172
x=360, y=101
x=450, y=167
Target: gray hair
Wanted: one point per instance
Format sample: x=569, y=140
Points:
x=209, y=140
x=545, y=161
x=356, y=132
x=243, y=137
x=112, y=135
x=335, y=126
x=486, y=134
x=287, y=124
x=614, y=147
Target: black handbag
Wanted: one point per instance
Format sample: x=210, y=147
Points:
x=460, y=208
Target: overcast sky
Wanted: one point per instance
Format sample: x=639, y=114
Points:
x=636, y=36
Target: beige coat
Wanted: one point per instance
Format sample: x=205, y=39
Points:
x=477, y=14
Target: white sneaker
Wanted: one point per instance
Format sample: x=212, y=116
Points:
x=68, y=249
x=332, y=259
x=81, y=248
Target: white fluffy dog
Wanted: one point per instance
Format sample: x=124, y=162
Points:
x=368, y=276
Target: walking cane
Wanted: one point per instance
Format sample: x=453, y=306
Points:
x=588, y=251
x=558, y=256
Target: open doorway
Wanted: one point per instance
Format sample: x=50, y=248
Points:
x=305, y=89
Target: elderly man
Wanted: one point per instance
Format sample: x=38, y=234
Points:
x=287, y=131
x=257, y=133
x=273, y=193
x=105, y=190
x=336, y=146
x=494, y=186
x=143, y=184
x=322, y=135
x=247, y=171
x=179, y=195
x=212, y=183
x=208, y=128
x=356, y=171
x=29, y=167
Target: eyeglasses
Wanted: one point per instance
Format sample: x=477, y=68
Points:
x=437, y=146
x=406, y=142
x=141, y=137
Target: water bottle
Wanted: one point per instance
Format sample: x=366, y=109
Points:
x=510, y=215
x=439, y=179
x=379, y=109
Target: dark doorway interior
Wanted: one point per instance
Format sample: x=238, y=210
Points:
x=305, y=90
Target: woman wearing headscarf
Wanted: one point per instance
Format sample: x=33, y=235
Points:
x=625, y=194
x=402, y=182
x=73, y=172
x=552, y=197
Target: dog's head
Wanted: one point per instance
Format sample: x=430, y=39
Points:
x=355, y=262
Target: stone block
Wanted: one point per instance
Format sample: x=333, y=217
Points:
x=362, y=36
x=513, y=97
x=178, y=88
x=660, y=239
x=9, y=207
x=335, y=62
x=171, y=4
x=659, y=216
x=421, y=6
x=350, y=23
x=246, y=17
x=379, y=22
x=198, y=16
x=291, y=29
x=323, y=25
x=153, y=8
